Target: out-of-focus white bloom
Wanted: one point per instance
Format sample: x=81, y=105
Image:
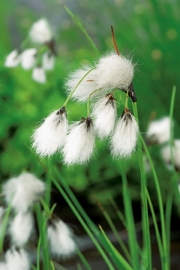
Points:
x=50, y=136
x=17, y=259
x=166, y=155
x=86, y=86
x=23, y=191
x=80, y=142
x=48, y=61
x=12, y=59
x=159, y=131
x=124, y=139
x=39, y=75
x=21, y=228
x=40, y=32
x=104, y=112
x=28, y=58
x=61, y=239
x=114, y=71
x=3, y=266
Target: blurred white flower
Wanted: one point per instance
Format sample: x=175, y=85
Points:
x=124, y=138
x=87, y=85
x=22, y=191
x=3, y=266
x=17, y=259
x=12, y=59
x=159, y=131
x=39, y=75
x=21, y=228
x=80, y=142
x=104, y=113
x=40, y=32
x=48, y=61
x=28, y=58
x=50, y=136
x=61, y=239
x=166, y=155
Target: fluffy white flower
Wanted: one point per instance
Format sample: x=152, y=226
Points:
x=17, y=259
x=114, y=71
x=87, y=85
x=12, y=59
x=80, y=142
x=159, y=130
x=50, y=136
x=124, y=139
x=23, y=191
x=39, y=75
x=61, y=239
x=28, y=58
x=48, y=61
x=21, y=228
x=3, y=266
x=166, y=155
x=104, y=113
x=40, y=32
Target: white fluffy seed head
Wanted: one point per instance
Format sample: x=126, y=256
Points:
x=114, y=71
x=48, y=61
x=3, y=266
x=124, y=139
x=22, y=191
x=12, y=59
x=17, y=259
x=40, y=32
x=28, y=58
x=159, y=131
x=39, y=75
x=80, y=142
x=104, y=113
x=21, y=228
x=166, y=155
x=50, y=136
x=87, y=85
x=61, y=239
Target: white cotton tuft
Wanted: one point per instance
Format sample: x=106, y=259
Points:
x=124, y=139
x=87, y=85
x=3, y=266
x=159, y=131
x=23, y=191
x=114, y=71
x=48, y=61
x=80, y=142
x=50, y=136
x=39, y=75
x=40, y=32
x=104, y=113
x=17, y=259
x=61, y=239
x=28, y=58
x=21, y=228
x=12, y=59
x=166, y=155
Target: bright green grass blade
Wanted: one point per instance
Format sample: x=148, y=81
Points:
x=4, y=226
x=168, y=212
x=83, y=259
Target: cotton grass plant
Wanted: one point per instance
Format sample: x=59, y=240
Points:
x=98, y=86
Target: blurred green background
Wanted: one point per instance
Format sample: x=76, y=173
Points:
x=148, y=31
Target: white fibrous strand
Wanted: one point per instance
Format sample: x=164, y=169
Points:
x=124, y=138
x=104, y=114
x=50, y=136
x=28, y=58
x=86, y=86
x=48, y=61
x=80, y=142
x=12, y=59
x=39, y=75
x=114, y=71
x=17, y=259
x=22, y=191
x=40, y=32
x=61, y=239
x=21, y=228
x=159, y=131
x=174, y=157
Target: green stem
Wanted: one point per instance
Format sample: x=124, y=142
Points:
x=83, y=259
x=169, y=203
x=171, y=140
